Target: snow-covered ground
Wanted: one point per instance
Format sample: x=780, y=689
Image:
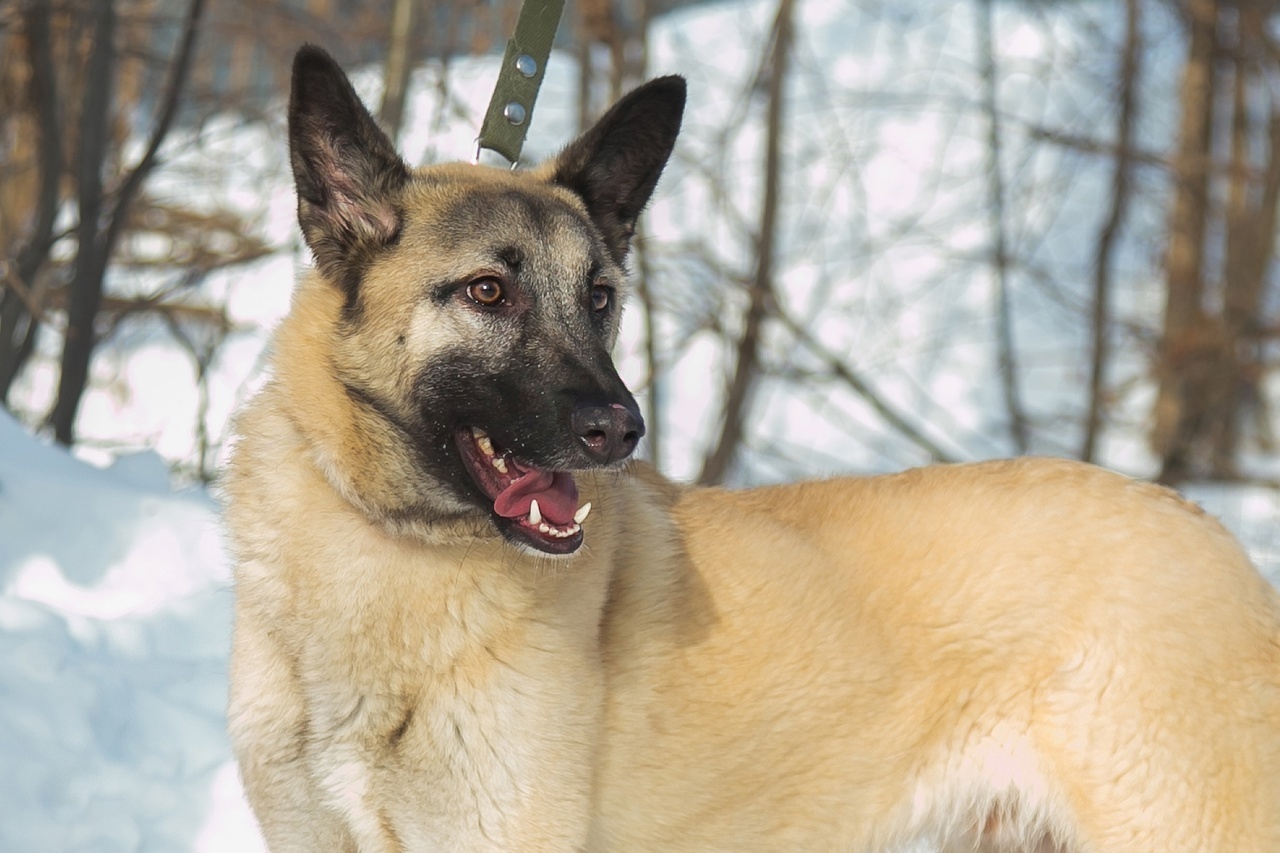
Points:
x=115, y=623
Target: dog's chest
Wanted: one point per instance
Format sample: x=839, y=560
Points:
x=476, y=687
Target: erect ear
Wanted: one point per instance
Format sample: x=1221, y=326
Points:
x=615, y=165
x=347, y=172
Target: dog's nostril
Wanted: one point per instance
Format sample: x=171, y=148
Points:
x=608, y=433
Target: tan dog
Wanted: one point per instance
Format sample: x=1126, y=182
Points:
x=439, y=646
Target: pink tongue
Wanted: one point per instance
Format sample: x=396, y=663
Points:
x=556, y=494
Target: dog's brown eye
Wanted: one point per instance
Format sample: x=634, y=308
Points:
x=601, y=296
x=486, y=291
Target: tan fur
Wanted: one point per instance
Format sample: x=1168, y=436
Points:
x=1032, y=654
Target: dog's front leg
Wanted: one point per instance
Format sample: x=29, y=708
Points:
x=506, y=768
x=270, y=731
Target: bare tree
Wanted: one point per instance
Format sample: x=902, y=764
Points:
x=1110, y=233
x=1209, y=363
x=399, y=66
x=20, y=302
x=99, y=230
x=746, y=355
x=1005, y=345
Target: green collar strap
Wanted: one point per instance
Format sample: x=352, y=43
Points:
x=511, y=109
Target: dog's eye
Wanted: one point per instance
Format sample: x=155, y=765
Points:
x=486, y=291
x=601, y=296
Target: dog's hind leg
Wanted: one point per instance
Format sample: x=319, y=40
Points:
x=1172, y=764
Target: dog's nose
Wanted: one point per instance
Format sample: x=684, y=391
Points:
x=608, y=433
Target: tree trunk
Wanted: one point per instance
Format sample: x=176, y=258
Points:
x=656, y=384
x=1189, y=340
x=1121, y=192
x=90, y=264
x=1251, y=222
x=399, y=66
x=746, y=364
x=19, y=321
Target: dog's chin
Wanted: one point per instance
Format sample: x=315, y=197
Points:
x=520, y=534
x=534, y=508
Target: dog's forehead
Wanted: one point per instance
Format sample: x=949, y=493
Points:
x=473, y=214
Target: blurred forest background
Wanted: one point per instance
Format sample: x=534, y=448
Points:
x=895, y=231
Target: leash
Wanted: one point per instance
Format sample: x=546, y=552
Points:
x=510, y=110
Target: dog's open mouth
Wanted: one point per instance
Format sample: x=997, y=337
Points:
x=535, y=506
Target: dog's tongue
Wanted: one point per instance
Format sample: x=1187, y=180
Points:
x=556, y=494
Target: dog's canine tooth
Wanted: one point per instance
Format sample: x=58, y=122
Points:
x=581, y=515
x=485, y=444
x=535, y=514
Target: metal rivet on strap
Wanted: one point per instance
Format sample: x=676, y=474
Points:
x=526, y=65
x=514, y=113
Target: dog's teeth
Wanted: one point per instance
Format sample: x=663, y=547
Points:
x=544, y=528
x=535, y=514
x=581, y=515
x=485, y=444
x=499, y=463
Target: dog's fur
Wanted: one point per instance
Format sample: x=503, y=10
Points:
x=1030, y=654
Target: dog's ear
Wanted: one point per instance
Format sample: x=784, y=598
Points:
x=346, y=170
x=615, y=165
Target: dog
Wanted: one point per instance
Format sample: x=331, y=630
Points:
x=467, y=620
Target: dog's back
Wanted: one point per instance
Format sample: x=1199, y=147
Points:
x=1018, y=652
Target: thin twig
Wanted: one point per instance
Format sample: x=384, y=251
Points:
x=860, y=386
x=999, y=237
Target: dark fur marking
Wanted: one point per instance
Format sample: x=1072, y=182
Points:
x=301, y=737
x=513, y=257
x=380, y=408
x=413, y=439
x=396, y=736
x=389, y=831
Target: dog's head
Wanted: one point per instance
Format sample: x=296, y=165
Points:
x=478, y=306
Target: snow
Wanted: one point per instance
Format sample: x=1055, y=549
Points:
x=115, y=621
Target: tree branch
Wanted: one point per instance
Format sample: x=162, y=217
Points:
x=179, y=71
x=861, y=387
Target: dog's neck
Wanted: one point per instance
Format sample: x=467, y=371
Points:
x=350, y=445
